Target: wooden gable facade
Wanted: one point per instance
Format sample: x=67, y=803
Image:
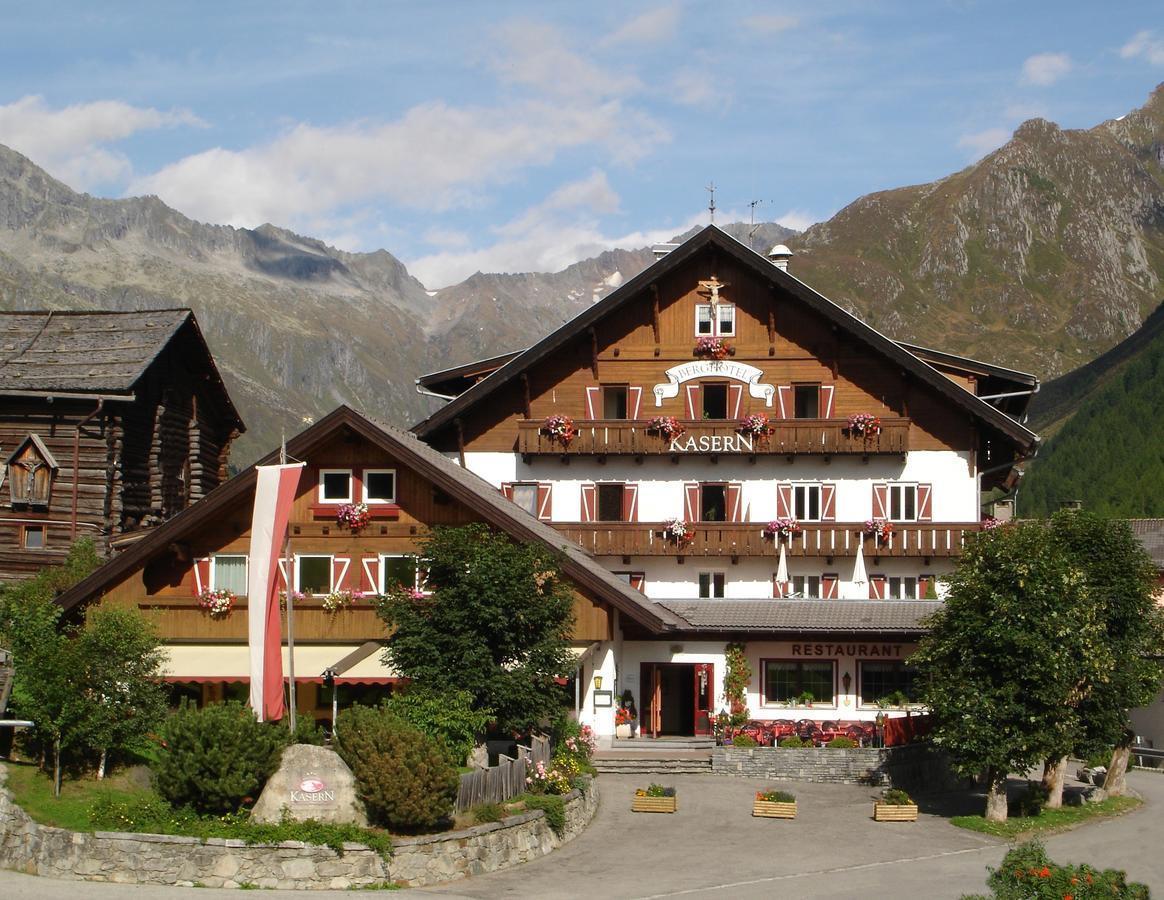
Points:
x=110, y=424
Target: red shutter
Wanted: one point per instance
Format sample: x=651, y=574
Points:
x=880, y=504
x=507, y=490
x=924, y=504
x=735, y=509
x=784, y=501
x=588, y=500
x=545, y=502
x=826, y=401
x=784, y=398
x=634, y=402
x=369, y=574
x=593, y=402
x=694, y=408
x=735, y=396
x=691, y=502
x=339, y=572
x=923, y=585
x=828, y=586
x=638, y=580
x=877, y=587
x=630, y=502
x=828, y=502
x=200, y=578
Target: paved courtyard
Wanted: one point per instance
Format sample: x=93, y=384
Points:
x=713, y=848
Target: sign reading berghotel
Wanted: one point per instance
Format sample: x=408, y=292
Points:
x=714, y=368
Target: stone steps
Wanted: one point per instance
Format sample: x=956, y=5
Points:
x=662, y=746
x=651, y=765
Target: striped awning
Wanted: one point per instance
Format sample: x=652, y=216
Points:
x=231, y=662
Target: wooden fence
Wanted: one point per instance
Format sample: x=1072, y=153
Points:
x=506, y=779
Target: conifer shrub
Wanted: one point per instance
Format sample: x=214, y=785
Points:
x=842, y=743
x=743, y=740
x=403, y=776
x=794, y=742
x=217, y=758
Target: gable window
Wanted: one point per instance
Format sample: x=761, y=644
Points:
x=398, y=570
x=228, y=572
x=715, y=400
x=806, y=502
x=902, y=502
x=33, y=537
x=717, y=321
x=335, y=485
x=786, y=680
x=806, y=401
x=609, y=502
x=614, y=401
x=805, y=586
x=901, y=588
x=379, y=485
x=713, y=503
x=711, y=584
x=313, y=574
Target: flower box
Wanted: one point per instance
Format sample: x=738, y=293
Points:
x=770, y=809
x=890, y=812
x=623, y=731
x=655, y=804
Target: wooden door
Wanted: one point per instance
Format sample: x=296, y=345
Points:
x=704, y=687
x=652, y=681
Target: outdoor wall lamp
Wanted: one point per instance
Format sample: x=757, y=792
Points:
x=846, y=681
x=597, y=682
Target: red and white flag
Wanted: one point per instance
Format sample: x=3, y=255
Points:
x=274, y=494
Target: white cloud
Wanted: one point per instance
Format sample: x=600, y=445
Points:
x=536, y=55
x=1045, y=69
x=798, y=219
x=980, y=143
x=652, y=27
x=696, y=87
x=69, y=142
x=770, y=23
x=1145, y=44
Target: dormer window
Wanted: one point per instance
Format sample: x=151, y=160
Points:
x=30, y=470
x=715, y=321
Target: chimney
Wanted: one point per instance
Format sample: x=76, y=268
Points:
x=1004, y=510
x=1071, y=504
x=779, y=255
x=661, y=250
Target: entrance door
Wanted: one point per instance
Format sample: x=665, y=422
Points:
x=704, y=685
x=677, y=698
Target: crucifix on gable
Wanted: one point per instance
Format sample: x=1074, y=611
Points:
x=711, y=288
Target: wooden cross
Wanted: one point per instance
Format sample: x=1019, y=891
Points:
x=712, y=287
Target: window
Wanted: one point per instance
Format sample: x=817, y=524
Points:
x=806, y=401
x=806, y=586
x=335, y=485
x=718, y=321
x=637, y=580
x=379, y=485
x=614, y=405
x=313, y=574
x=399, y=571
x=806, y=502
x=33, y=537
x=713, y=503
x=609, y=502
x=525, y=495
x=228, y=572
x=880, y=679
x=715, y=400
x=786, y=680
x=903, y=502
x=711, y=584
x=898, y=588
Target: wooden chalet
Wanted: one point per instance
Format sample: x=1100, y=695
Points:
x=407, y=487
x=758, y=462
x=110, y=423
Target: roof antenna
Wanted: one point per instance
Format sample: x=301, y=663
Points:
x=752, y=226
x=711, y=206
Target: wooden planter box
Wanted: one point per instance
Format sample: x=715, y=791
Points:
x=655, y=804
x=770, y=809
x=884, y=812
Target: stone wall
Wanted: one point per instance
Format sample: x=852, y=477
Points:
x=165, y=859
x=912, y=767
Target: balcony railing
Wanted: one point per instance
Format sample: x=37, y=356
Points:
x=823, y=437
x=747, y=539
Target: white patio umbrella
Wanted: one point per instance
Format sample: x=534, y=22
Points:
x=782, y=570
x=860, y=579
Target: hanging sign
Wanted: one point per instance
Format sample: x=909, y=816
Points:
x=714, y=368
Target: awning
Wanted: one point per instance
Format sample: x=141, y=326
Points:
x=231, y=662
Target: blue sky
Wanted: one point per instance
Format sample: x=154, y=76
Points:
x=509, y=136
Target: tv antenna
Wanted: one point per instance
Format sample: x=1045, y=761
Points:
x=711, y=205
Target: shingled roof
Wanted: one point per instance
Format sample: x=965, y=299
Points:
x=1150, y=534
x=902, y=617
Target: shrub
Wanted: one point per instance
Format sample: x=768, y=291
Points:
x=403, y=776
x=842, y=743
x=448, y=715
x=743, y=740
x=776, y=796
x=793, y=742
x=574, y=739
x=217, y=758
x=1030, y=803
x=896, y=797
x=554, y=808
x=487, y=812
x=557, y=778
x=1027, y=871
x=307, y=731
x=1099, y=760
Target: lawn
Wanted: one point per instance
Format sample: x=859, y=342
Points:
x=33, y=791
x=1049, y=820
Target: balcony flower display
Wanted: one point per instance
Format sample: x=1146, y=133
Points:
x=354, y=515
x=783, y=528
x=296, y=597
x=560, y=428
x=337, y=600
x=667, y=427
x=756, y=425
x=217, y=604
x=864, y=425
x=678, y=531
x=712, y=348
x=879, y=528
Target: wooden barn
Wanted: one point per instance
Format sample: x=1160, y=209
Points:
x=110, y=423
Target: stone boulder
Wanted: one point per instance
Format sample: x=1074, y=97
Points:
x=311, y=783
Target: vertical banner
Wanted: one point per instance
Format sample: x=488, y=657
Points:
x=274, y=494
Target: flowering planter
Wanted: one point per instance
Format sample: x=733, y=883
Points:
x=888, y=812
x=655, y=804
x=770, y=809
x=623, y=732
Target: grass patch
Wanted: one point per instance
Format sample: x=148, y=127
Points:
x=1049, y=820
x=33, y=791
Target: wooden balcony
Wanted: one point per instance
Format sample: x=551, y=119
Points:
x=823, y=437
x=746, y=539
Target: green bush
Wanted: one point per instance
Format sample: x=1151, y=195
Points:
x=896, y=797
x=487, y=812
x=1027, y=871
x=402, y=775
x=793, y=742
x=842, y=743
x=307, y=731
x=1030, y=803
x=447, y=715
x=575, y=739
x=1100, y=759
x=216, y=759
x=743, y=740
x=553, y=806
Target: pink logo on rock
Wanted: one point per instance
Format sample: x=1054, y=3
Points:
x=311, y=786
